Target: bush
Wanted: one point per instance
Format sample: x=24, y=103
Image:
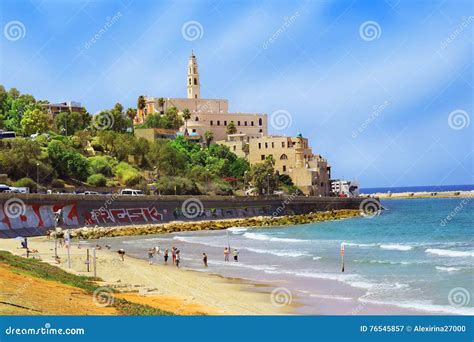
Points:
x=26, y=182
x=179, y=185
x=132, y=179
x=101, y=164
x=127, y=174
x=97, y=179
x=58, y=183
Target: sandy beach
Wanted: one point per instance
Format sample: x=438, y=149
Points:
x=165, y=287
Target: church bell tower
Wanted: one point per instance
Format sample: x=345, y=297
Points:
x=194, y=91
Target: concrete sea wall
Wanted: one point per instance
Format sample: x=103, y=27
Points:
x=33, y=214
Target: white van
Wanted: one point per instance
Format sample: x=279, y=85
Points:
x=131, y=192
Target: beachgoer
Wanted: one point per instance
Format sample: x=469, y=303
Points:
x=107, y=246
x=151, y=252
x=165, y=256
x=204, y=259
x=121, y=252
x=226, y=254
x=173, y=254
x=235, y=253
x=178, y=258
x=157, y=250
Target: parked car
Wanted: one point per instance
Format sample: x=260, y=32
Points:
x=4, y=188
x=131, y=192
x=20, y=189
x=7, y=134
x=90, y=193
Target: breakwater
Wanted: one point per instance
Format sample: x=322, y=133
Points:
x=33, y=214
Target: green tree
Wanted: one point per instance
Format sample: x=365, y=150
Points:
x=263, y=177
x=208, y=136
x=186, y=117
x=166, y=159
x=70, y=123
x=35, y=121
x=67, y=162
x=231, y=129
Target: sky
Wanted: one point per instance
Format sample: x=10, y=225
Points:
x=383, y=89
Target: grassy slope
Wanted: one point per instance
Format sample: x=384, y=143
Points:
x=39, y=269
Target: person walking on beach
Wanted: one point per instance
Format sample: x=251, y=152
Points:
x=165, y=255
x=121, y=252
x=173, y=254
x=178, y=258
x=151, y=252
x=235, y=253
x=204, y=259
x=226, y=254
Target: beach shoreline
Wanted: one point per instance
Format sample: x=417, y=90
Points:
x=422, y=195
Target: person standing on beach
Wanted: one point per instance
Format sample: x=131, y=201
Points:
x=165, y=256
x=204, y=259
x=235, y=253
x=173, y=254
x=121, y=252
x=157, y=250
x=178, y=258
x=151, y=252
x=226, y=254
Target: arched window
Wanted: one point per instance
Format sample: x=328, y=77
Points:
x=197, y=119
x=195, y=81
x=260, y=122
x=283, y=157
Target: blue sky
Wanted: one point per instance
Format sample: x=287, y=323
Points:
x=376, y=106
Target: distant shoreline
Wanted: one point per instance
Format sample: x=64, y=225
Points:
x=423, y=194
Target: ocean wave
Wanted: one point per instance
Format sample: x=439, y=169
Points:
x=281, y=253
x=448, y=269
x=360, y=244
x=237, y=230
x=423, y=306
x=384, y=262
x=243, y=265
x=450, y=253
x=396, y=247
x=262, y=237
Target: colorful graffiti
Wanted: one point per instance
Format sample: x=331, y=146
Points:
x=122, y=216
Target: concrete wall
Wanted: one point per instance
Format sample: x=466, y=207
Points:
x=33, y=214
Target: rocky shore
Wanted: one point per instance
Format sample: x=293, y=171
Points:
x=178, y=226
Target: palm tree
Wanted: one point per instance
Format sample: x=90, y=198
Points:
x=208, y=135
x=141, y=104
x=186, y=117
x=131, y=113
x=231, y=129
x=161, y=103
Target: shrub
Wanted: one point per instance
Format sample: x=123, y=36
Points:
x=26, y=182
x=101, y=164
x=182, y=186
x=127, y=174
x=132, y=179
x=97, y=179
x=58, y=183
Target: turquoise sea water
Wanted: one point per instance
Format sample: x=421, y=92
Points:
x=411, y=257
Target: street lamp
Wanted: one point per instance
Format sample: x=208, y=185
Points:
x=268, y=184
x=37, y=177
x=245, y=180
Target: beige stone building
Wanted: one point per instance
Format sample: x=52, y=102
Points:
x=293, y=156
x=206, y=114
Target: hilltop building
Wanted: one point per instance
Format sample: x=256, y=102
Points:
x=54, y=109
x=293, y=155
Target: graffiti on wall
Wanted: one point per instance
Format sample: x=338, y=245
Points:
x=122, y=216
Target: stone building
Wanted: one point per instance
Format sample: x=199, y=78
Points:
x=206, y=114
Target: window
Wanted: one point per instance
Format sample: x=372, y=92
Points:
x=283, y=157
x=195, y=96
x=251, y=123
x=194, y=130
x=260, y=122
x=238, y=123
x=195, y=81
x=197, y=119
x=235, y=147
x=189, y=81
x=282, y=143
x=225, y=123
x=284, y=168
x=262, y=157
x=266, y=145
x=259, y=145
x=195, y=71
x=260, y=130
x=273, y=145
x=245, y=123
x=218, y=123
x=212, y=122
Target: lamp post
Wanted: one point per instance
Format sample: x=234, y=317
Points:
x=37, y=177
x=245, y=180
x=268, y=184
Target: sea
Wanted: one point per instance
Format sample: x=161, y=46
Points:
x=424, y=188
x=415, y=257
